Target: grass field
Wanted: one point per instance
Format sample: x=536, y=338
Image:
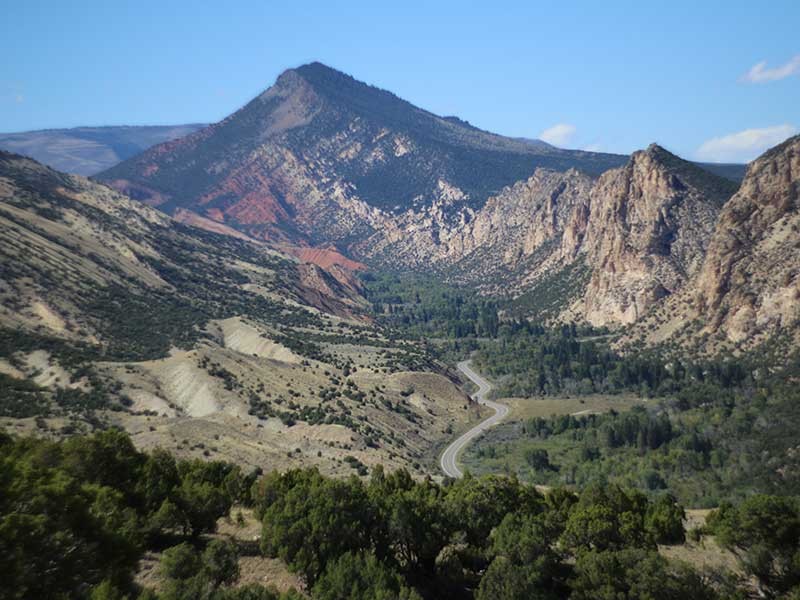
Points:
x=527, y=408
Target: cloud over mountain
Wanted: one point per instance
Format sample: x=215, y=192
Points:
x=744, y=145
x=558, y=135
x=760, y=73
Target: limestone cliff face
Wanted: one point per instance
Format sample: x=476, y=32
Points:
x=489, y=246
x=641, y=229
x=527, y=215
x=644, y=233
x=749, y=284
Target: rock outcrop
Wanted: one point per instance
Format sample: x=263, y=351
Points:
x=645, y=234
x=749, y=285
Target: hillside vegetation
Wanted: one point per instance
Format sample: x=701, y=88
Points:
x=76, y=517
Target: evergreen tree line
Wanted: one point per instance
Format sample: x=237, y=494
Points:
x=527, y=359
x=76, y=516
x=424, y=307
x=635, y=428
x=731, y=445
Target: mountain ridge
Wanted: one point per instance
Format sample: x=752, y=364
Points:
x=89, y=150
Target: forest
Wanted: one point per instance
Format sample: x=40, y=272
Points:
x=707, y=429
x=77, y=515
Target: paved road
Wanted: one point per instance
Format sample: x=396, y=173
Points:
x=448, y=460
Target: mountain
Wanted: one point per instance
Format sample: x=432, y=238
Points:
x=68, y=241
x=564, y=244
x=732, y=171
x=321, y=158
x=89, y=150
x=329, y=168
x=112, y=313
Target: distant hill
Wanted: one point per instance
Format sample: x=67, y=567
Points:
x=89, y=150
x=734, y=172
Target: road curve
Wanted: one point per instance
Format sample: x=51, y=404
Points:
x=448, y=460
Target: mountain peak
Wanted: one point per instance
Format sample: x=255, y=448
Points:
x=658, y=153
x=316, y=67
x=312, y=73
x=715, y=186
x=291, y=164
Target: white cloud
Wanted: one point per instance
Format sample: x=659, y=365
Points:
x=744, y=146
x=12, y=92
x=558, y=135
x=759, y=73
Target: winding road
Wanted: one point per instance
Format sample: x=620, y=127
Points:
x=448, y=460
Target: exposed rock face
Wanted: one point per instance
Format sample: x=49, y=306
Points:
x=646, y=232
x=67, y=241
x=479, y=246
x=642, y=229
x=749, y=283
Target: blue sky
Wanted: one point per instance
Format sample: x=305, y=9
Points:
x=612, y=76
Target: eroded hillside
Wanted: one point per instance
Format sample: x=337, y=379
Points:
x=205, y=343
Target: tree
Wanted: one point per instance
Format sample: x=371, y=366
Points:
x=538, y=459
x=107, y=458
x=107, y=591
x=180, y=562
x=525, y=563
x=57, y=533
x=607, y=518
x=193, y=576
x=202, y=504
x=169, y=517
x=764, y=533
x=635, y=574
x=313, y=520
x=664, y=520
x=504, y=580
x=158, y=480
x=525, y=539
x=361, y=577
x=477, y=505
x=412, y=520
x=220, y=563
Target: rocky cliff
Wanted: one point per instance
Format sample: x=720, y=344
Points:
x=645, y=233
x=749, y=286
